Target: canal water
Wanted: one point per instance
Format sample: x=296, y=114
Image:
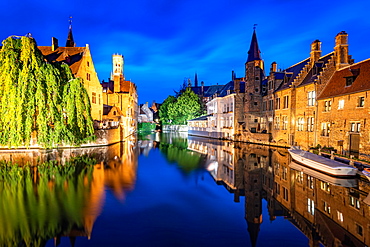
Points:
x=176, y=190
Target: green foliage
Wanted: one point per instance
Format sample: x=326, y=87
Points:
x=146, y=127
x=176, y=151
x=39, y=203
x=36, y=98
x=178, y=110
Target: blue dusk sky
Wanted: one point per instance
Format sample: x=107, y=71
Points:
x=166, y=41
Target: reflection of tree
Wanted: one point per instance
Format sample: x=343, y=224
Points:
x=39, y=203
x=175, y=150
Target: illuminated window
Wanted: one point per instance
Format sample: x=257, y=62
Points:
x=325, y=186
x=355, y=127
x=340, y=104
x=327, y=208
x=285, y=122
x=310, y=182
x=327, y=105
x=310, y=124
x=277, y=123
x=310, y=206
x=325, y=129
x=354, y=202
x=286, y=102
x=340, y=216
x=311, y=96
x=299, y=176
x=300, y=124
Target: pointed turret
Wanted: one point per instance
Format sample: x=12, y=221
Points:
x=70, y=42
x=196, y=80
x=254, y=52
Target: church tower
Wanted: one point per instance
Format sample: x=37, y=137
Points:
x=70, y=42
x=254, y=75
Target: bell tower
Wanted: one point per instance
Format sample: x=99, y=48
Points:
x=118, y=64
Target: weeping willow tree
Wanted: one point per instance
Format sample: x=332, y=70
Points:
x=40, y=99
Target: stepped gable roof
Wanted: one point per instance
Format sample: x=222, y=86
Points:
x=212, y=90
x=254, y=51
x=336, y=86
x=314, y=71
x=291, y=73
x=69, y=55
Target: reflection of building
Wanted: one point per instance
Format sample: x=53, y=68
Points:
x=74, y=198
x=328, y=210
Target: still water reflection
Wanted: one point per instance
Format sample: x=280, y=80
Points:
x=173, y=190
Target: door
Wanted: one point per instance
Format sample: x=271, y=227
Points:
x=354, y=145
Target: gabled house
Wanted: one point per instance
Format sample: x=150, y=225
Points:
x=80, y=61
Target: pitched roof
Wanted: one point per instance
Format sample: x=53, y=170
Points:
x=291, y=73
x=69, y=55
x=212, y=90
x=337, y=84
x=229, y=87
x=254, y=51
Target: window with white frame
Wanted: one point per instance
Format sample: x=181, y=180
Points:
x=286, y=102
x=300, y=124
x=340, y=216
x=277, y=123
x=310, y=206
x=340, y=104
x=311, y=97
x=355, y=127
x=327, y=105
x=285, y=123
x=354, y=202
x=310, y=124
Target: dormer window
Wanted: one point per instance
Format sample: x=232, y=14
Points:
x=349, y=80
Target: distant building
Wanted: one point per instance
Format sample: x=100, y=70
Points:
x=321, y=100
x=120, y=94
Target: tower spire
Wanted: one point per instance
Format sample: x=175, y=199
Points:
x=196, y=80
x=254, y=51
x=70, y=42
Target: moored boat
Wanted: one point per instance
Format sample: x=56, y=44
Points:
x=322, y=164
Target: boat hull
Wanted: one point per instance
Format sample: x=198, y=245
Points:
x=319, y=163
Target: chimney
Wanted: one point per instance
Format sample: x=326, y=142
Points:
x=273, y=67
x=54, y=43
x=315, y=53
x=341, y=50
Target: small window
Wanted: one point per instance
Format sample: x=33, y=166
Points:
x=88, y=64
x=311, y=98
x=355, y=127
x=361, y=101
x=340, y=104
x=93, y=98
x=350, y=80
x=327, y=105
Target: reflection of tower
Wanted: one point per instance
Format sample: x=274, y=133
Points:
x=253, y=197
